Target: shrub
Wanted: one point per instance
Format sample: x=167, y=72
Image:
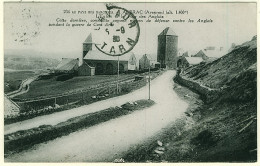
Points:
x=45, y=77
x=64, y=77
x=125, y=89
x=14, y=85
x=204, y=138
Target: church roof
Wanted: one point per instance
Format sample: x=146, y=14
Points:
x=89, y=39
x=97, y=55
x=168, y=32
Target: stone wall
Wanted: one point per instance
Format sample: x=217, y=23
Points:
x=10, y=107
x=209, y=95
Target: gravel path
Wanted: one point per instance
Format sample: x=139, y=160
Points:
x=106, y=141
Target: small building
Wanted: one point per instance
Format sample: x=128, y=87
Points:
x=201, y=54
x=147, y=60
x=86, y=70
x=184, y=62
x=189, y=53
x=132, y=63
x=185, y=54
x=211, y=53
x=10, y=107
x=67, y=65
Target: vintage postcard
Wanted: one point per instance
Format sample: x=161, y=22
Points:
x=130, y=82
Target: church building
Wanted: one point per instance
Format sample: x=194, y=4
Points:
x=105, y=64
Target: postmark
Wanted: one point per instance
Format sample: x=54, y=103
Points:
x=120, y=30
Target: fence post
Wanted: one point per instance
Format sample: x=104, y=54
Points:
x=55, y=101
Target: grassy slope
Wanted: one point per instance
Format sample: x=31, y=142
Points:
x=52, y=87
x=26, y=62
x=14, y=79
x=238, y=73
x=218, y=73
x=211, y=132
x=208, y=133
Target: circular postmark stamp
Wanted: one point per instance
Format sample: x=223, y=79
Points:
x=119, y=31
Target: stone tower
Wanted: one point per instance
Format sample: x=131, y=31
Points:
x=87, y=45
x=167, y=48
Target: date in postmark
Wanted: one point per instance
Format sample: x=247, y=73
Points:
x=120, y=31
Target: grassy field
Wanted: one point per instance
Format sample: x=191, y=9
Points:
x=31, y=109
x=51, y=87
x=13, y=79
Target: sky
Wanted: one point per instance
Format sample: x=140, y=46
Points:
x=26, y=26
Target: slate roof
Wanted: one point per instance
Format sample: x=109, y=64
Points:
x=150, y=57
x=185, y=54
x=67, y=64
x=88, y=39
x=194, y=60
x=214, y=53
x=89, y=65
x=97, y=55
x=168, y=32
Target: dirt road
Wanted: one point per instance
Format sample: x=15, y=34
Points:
x=24, y=87
x=105, y=142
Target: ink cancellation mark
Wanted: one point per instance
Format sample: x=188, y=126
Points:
x=120, y=31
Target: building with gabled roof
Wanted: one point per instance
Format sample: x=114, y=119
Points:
x=105, y=64
x=193, y=60
x=94, y=62
x=184, y=62
x=67, y=65
x=147, y=61
x=86, y=70
x=189, y=53
x=185, y=54
x=201, y=54
x=211, y=53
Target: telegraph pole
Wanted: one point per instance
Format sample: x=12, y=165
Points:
x=117, y=84
x=149, y=83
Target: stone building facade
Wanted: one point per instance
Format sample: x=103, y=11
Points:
x=167, y=53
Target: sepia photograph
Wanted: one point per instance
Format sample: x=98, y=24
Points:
x=129, y=82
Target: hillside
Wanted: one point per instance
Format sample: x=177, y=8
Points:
x=231, y=117
x=24, y=62
x=220, y=72
x=220, y=124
